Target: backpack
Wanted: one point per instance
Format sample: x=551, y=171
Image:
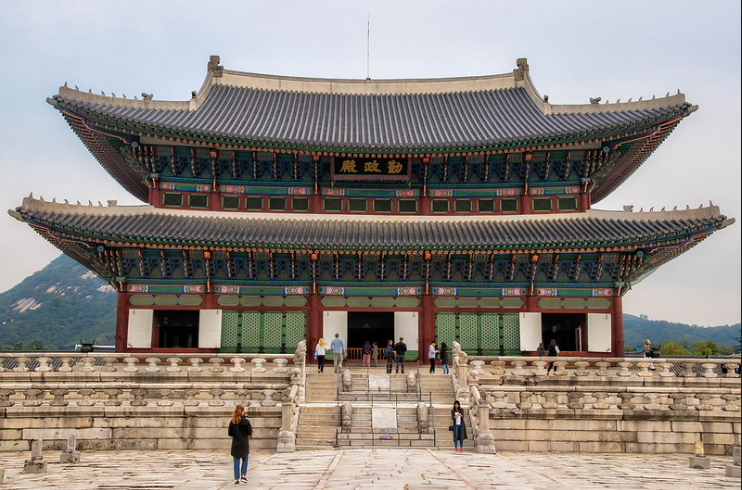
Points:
x=366, y=349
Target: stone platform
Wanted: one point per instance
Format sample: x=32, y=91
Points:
x=371, y=469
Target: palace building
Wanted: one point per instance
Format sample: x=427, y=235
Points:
x=284, y=208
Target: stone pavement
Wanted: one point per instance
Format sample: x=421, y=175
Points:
x=369, y=468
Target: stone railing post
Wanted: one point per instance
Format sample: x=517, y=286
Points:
x=518, y=368
x=44, y=366
x=195, y=366
x=173, y=367
x=86, y=397
x=258, y=363
x=731, y=367
x=485, y=439
x=32, y=397
x=139, y=394
x=65, y=367
x=152, y=364
x=603, y=368
x=113, y=397
x=216, y=400
x=21, y=362
x=279, y=365
x=601, y=401
x=216, y=365
x=59, y=394
x=131, y=365
x=540, y=368
x=498, y=367
x=550, y=402
x=289, y=417
x=299, y=371
x=581, y=368
x=688, y=370
x=575, y=400
x=708, y=369
x=87, y=364
x=5, y=395
x=237, y=365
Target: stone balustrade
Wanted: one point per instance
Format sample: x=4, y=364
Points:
x=144, y=401
x=128, y=364
x=568, y=368
x=605, y=404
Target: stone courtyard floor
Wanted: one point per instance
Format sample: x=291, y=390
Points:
x=369, y=468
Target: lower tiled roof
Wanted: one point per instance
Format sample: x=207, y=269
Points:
x=161, y=227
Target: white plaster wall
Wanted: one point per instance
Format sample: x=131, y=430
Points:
x=598, y=332
x=210, y=329
x=335, y=322
x=530, y=330
x=406, y=325
x=140, y=329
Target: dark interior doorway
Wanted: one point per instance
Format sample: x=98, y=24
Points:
x=178, y=329
x=566, y=328
x=372, y=326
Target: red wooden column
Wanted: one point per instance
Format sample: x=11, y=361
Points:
x=427, y=325
x=314, y=325
x=617, y=327
x=122, y=322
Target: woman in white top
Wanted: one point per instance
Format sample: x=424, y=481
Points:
x=319, y=353
x=432, y=351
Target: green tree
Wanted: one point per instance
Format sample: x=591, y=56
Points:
x=672, y=349
x=705, y=348
x=35, y=345
x=725, y=350
x=18, y=346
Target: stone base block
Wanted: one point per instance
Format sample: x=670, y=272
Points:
x=699, y=463
x=70, y=458
x=34, y=467
x=734, y=471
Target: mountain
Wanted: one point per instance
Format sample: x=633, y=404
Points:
x=637, y=329
x=58, y=306
x=65, y=303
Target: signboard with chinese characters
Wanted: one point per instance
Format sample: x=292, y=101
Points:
x=363, y=168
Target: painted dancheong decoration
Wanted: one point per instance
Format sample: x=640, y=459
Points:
x=282, y=208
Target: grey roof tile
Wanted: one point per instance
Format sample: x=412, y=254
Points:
x=420, y=120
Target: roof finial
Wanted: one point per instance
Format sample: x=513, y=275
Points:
x=520, y=73
x=595, y=100
x=214, y=67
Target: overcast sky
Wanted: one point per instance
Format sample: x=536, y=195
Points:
x=575, y=49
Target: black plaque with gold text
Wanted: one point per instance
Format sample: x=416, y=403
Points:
x=363, y=168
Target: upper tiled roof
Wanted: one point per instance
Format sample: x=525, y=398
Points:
x=148, y=225
x=387, y=114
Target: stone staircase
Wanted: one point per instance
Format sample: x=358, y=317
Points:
x=320, y=419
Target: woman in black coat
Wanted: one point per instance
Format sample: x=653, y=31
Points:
x=241, y=432
x=459, y=427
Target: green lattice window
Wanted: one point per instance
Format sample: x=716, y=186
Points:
x=480, y=333
x=272, y=332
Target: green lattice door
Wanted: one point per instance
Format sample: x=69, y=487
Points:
x=480, y=333
x=272, y=332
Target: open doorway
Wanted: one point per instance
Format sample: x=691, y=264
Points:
x=177, y=329
x=566, y=328
x=372, y=326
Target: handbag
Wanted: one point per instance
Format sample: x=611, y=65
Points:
x=450, y=427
